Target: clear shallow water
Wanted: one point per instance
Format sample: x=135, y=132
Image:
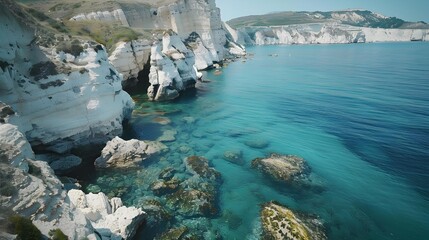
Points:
x=359, y=115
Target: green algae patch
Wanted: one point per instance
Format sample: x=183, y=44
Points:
x=279, y=222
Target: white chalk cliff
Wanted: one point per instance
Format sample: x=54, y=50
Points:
x=130, y=58
x=65, y=96
x=105, y=16
x=325, y=33
x=172, y=68
x=196, y=22
x=58, y=94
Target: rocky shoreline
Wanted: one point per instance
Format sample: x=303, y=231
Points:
x=60, y=94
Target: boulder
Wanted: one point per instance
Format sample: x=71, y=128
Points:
x=200, y=166
x=110, y=218
x=122, y=154
x=279, y=223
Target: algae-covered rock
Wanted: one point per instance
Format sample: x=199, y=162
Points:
x=193, y=203
x=279, y=222
x=283, y=168
x=200, y=166
x=167, y=173
x=165, y=187
x=173, y=234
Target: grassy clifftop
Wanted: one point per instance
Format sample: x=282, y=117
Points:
x=359, y=18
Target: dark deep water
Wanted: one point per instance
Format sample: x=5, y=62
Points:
x=359, y=115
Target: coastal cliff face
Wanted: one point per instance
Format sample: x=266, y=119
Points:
x=70, y=80
x=324, y=34
x=198, y=26
x=56, y=93
x=347, y=26
x=172, y=68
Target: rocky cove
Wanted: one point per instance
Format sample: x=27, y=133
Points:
x=79, y=154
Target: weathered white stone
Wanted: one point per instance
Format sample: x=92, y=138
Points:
x=111, y=221
x=325, y=34
x=36, y=192
x=121, y=153
x=129, y=58
x=106, y=16
x=84, y=91
x=15, y=147
x=172, y=68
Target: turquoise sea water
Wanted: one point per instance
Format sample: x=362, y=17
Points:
x=359, y=115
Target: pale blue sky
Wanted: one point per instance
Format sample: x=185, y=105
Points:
x=409, y=10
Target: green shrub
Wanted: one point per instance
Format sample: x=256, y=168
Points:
x=57, y=234
x=24, y=228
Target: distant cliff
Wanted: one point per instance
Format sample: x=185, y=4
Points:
x=350, y=26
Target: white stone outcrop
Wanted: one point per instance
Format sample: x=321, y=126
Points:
x=105, y=16
x=325, y=34
x=35, y=191
x=172, y=68
x=15, y=147
x=130, y=58
x=121, y=153
x=65, y=96
x=109, y=217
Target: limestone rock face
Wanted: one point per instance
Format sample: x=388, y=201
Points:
x=172, y=68
x=105, y=16
x=109, y=218
x=61, y=164
x=184, y=17
x=323, y=34
x=130, y=58
x=121, y=153
x=69, y=79
x=35, y=191
x=279, y=222
x=15, y=147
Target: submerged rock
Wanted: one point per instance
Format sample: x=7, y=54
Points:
x=165, y=187
x=173, y=234
x=157, y=213
x=162, y=120
x=279, y=222
x=193, y=203
x=168, y=136
x=167, y=173
x=234, y=156
x=257, y=143
x=200, y=166
x=283, y=168
x=234, y=221
x=121, y=153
